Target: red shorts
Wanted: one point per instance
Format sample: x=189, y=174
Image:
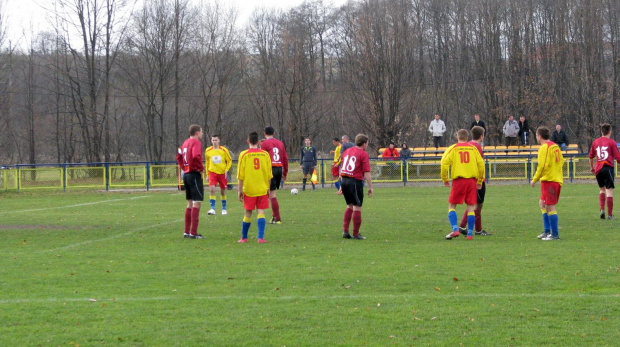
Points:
x=335, y=171
x=464, y=190
x=550, y=192
x=214, y=179
x=256, y=202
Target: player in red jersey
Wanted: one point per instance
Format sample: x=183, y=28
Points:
x=279, y=168
x=477, y=135
x=603, y=152
x=355, y=168
x=189, y=157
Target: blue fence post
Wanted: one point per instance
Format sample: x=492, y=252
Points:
x=106, y=172
x=148, y=176
x=487, y=166
x=404, y=170
x=322, y=173
x=570, y=169
x=64, y=177
x=529, y=168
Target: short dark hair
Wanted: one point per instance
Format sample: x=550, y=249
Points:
x=462, y=135
x=605, y=129
x=543, y=132
x=336, y=139
x=361, y=139
x=193, y=129
x=216, y=135
x=270, y=130
x=477, y=132
x=253, y=138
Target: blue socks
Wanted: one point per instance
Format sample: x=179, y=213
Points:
x=452, y=218
x=471, y=220
x=553, y=222
x=261, y=226
x=245, y=227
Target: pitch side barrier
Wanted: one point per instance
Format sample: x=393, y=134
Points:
x=151, y=175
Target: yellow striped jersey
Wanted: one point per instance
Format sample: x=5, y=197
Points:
x=217, y=160
x=464, y=161
x=254, y=169
x=550, y=163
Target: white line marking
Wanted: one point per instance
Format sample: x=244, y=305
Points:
x=71, y=206
x=106, y=238
x=183, y=297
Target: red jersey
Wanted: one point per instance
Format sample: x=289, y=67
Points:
x=477, y=145
x=605, y=150
x=190, y=156
x=355, y=162
x=277, y=152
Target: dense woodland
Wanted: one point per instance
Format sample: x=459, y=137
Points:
x=117, y=81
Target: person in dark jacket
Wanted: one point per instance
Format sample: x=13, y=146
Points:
x=559, y=137
x=477, y=122
x=405, y=152
x=524, y=130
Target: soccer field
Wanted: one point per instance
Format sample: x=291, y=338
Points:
x=86, y=268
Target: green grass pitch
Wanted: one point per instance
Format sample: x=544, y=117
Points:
x=87, y=268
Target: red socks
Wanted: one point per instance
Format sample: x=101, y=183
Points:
x=610, y=206
x=346, y=220
x=195, y=217
x=188, y=220
x=601, y=201
x=478, y=224
x=357, y=221
x=275, y=208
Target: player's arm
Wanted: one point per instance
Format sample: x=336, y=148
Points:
x=446, y=161
x=228, y=158
x=481, y=169
x=542, y=161
x=240, y=191
x=368, y=179
x=284, y=163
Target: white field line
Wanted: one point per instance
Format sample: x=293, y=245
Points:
x=183, y=297
x=73, y=245
x=72, y=206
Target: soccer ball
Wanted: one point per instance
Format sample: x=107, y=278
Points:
x=294, y=191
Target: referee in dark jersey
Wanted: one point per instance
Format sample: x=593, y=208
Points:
x=308, y=162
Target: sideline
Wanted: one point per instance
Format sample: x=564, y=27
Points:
x=106, y=238
x=71, y=206
x=183, y=297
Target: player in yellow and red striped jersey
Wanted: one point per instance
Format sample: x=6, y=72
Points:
x=254, y=174
x=549, y=172
x=217, y=162
x=467, y=168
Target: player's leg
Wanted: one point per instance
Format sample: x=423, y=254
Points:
x=260, y=222
x=452, y=219
x=553, y=221
x=274, y=184
x=223, y=198
x=188, y=219
x=602, y=197
x=545, y=217
x=197, y=196
x=346, y=221
x=609, y=193
x=212, y=188
x=478, y=224
x=247, y=221
x=348, y=192
x=471, y=220
x=357, y=222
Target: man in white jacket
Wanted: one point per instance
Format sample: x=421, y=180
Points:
x=437, y=128
x=511, y=131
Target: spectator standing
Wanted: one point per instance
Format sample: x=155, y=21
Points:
x=437, y=128
x=511, y=131
x=549, y=172
x=189, y=158
x=603, y=153
x=478, y=123
x=308, y=162
x=279, y=170
x=524, y=130
x=559, y=137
